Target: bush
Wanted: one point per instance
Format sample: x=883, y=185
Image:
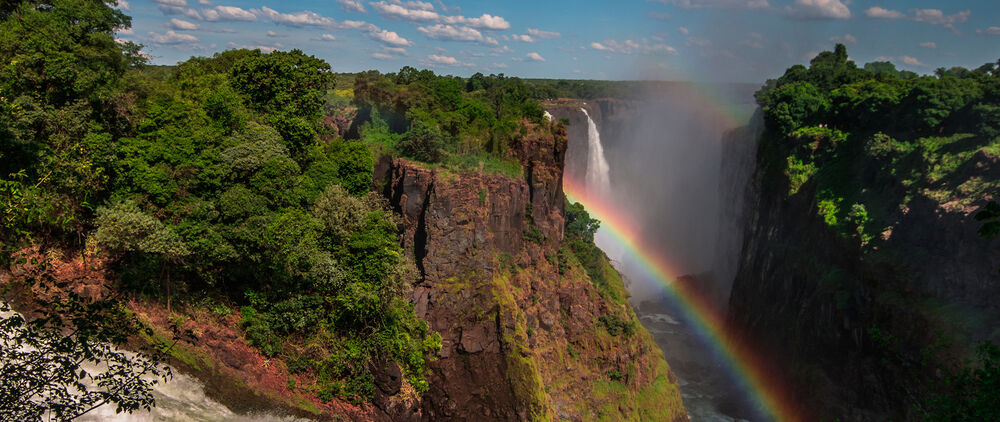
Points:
x=422, y=142
x=258, y=332
x=616, y=325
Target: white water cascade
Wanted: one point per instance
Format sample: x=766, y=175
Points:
x=598, y=182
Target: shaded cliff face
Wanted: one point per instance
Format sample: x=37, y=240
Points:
x=520, y=330
x=863, y=328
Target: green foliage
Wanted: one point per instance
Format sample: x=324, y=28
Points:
x=123, y=227
x=798, y=173
x=215, y=175
x=865, y=141
x=990, y=216
x=422, y=142
x=972, y=394
x=444, y=119
x=616, y=326
x=859, y=148
x=286, y=89
x=59, y=69
x=579, y=224
x=258, y=332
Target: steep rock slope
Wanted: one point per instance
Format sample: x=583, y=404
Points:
x=864, y=322
x=518, y=318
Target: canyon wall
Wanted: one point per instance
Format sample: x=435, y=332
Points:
x=865, y=325
x=520, y=324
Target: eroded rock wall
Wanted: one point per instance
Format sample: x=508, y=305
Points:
x=861, y=328
x=520, y=334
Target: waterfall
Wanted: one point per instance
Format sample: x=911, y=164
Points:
x=597, y=164
x=598, y=182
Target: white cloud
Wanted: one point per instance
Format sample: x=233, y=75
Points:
x=697, y=42
x=881, y=13
x=123, y=5
x=720, y=4
x=387, y=37
x=176, y=7
x=818, y=9
x=228, y=13
x=928, y=44
x=182, y=25
x=937, y=17
x=348, y=24
x=299, y=19
x=325, y=37
x=455, y=33
x=420, y=12
x=683, y=31
x=522, y=38
x=537, y=33
x=845, y=39
x=659, y=48
x=446, y=60
x=912, y=61
x=598, y=46
x=535, y=57
x=388, y=53
x=172, y=37
x=415, y=4
x=993, y=30
x=352, y=5
x=485, y=22
x=176, y=3
x=273, y=34
x=204, y=2
x=629, y=47
x=412, y=11
x=928, y=16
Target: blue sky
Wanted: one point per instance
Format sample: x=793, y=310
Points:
x=699, y=40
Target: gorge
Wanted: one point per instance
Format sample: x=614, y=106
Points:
x=297, y=241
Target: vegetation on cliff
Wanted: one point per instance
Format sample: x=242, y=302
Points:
x=864, y=147
x=213, y=179
x=235, y=190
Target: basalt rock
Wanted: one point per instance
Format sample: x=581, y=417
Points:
x=857, y=325
x=507, y=313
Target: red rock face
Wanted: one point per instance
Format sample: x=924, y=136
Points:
x=506, y=312
x=455, y=226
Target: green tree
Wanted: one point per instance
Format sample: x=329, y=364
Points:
x=423, y=142
x=59, y=69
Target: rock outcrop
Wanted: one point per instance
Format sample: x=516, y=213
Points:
x=520, y=332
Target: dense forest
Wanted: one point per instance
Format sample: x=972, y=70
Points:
x=224, y=183
x=860, y=147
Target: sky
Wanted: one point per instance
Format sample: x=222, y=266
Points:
x=682, y=40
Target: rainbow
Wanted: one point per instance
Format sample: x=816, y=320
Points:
x=759, y=379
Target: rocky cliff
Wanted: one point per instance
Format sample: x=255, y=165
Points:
x=865, y=323
x=519, y=320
